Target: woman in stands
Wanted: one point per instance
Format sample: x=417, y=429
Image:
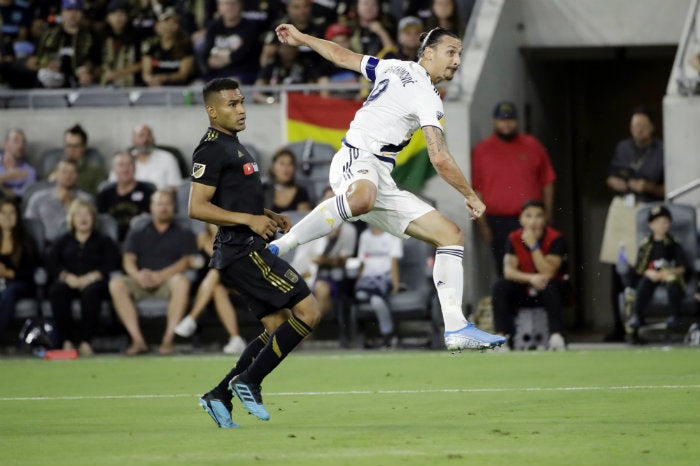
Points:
x=282, y=191
x=18, y=260
x=79, y=264
x=169, y=60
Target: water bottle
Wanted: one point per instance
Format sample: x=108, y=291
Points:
x=622, y=266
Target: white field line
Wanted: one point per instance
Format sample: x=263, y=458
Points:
x=371, y=392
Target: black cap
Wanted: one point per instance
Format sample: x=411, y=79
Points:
x=505, y=110
x=116, y=5
x=659, y=211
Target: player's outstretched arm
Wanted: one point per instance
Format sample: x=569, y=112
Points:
x=449, y=171
x=340, y=56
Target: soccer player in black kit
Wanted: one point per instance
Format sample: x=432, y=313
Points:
x=226, y=190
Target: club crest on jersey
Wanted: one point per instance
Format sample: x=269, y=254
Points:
x=198, y=170
x=250, y=168
x=291, y=276
x=440, y=116
x=240, y=154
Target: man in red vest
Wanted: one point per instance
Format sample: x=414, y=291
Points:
x=533, y=274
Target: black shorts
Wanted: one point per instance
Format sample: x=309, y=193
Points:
x=266, y=282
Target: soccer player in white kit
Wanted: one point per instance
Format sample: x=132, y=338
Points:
x=403, y=99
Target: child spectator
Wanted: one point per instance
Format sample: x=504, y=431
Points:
x=379, y=253
x=661, y=261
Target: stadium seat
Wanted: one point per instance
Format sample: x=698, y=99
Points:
x=416, y=301
x=313, y=164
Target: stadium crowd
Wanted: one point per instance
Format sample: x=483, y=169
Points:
x=126, y=43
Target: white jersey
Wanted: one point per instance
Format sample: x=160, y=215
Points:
x=402, y=101
x=377, y=252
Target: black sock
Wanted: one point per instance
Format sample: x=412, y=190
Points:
x=282, y=342
x=245, y=360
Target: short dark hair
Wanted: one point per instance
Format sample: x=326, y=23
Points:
x=217, y=85
x=78, y=130
x=433, y=37
x=641, y=110
x=532, y=203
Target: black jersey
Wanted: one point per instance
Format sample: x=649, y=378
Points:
x=220, y=160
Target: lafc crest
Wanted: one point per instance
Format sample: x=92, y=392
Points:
x=198, y=170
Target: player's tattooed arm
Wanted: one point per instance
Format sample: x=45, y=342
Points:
x=446, y=166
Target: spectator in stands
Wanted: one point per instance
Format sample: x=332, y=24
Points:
x=508, y=168
x=636, y=176
x=121, y=53
x=232, y=44
x=210, y=289
x=50, y=205
x=298, y=14
x=18, y=260
x=90, y=171
x=328, y=10
x=421, y=9
x=534, y=274
x=379, y=253
x=15, y=172
x=153, y=165
x=282, y=191
x=327, y=72
x=661, y=261
x=155, y=259
x=287, y=67
x=169, y=58
x=373, y=30
x=408, y=39
x=66, y=56
x=445, y=14
x=321, y=262
x=144, y=16
x=16, y=21
x=126, y=197
x=79, y=264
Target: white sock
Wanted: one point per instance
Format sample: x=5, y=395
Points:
x=448, y=277
x=326, y=217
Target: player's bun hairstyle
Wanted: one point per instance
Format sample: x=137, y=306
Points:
x=217, y=85
x=432, y=38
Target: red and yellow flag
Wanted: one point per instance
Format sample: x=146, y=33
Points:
x=326, y=120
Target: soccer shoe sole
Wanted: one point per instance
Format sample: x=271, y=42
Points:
x=219, y=413
x=475, y=339
x=243, y=392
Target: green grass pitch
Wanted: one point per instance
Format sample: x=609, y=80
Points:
x=598, y=407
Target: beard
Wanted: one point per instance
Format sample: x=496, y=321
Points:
x=507, y=137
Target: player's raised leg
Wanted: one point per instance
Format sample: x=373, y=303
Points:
x=448, y=275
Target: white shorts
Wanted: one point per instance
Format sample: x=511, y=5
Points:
x=394, y=209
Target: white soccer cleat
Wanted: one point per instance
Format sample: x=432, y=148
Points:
x=471, y=337
x=186, y=327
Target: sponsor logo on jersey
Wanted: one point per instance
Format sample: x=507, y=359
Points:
x=250, y=168
x=363, y=171
x=198, y=170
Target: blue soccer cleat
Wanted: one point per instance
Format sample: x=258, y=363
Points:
x=471, y=337
x=219, y=410
x=274, y=249
x=250, y=397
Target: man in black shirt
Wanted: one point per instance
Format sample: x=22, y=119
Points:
x=226, y=190
x=126, y=198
